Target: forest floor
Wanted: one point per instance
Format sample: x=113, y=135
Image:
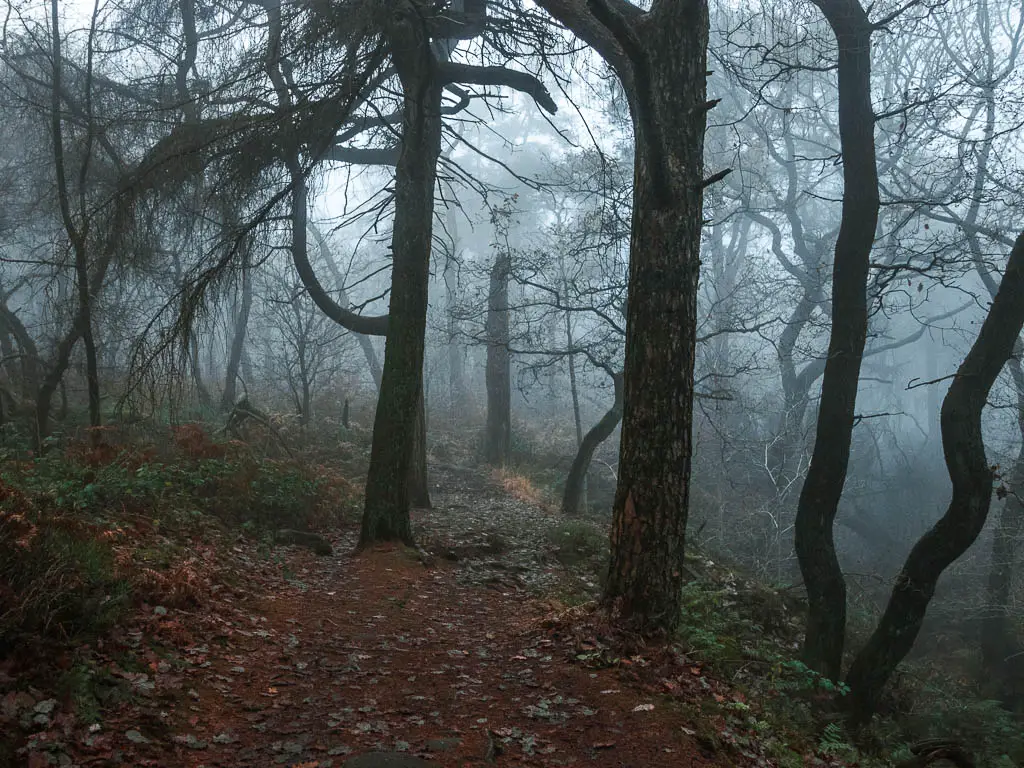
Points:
x=462, y=658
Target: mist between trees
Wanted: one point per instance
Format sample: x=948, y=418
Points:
x=742, y=276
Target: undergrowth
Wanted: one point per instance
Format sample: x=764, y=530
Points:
x=89, y=528
x=749, y=635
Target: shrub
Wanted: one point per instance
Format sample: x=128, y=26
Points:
x=58, y=577
x=66, y=567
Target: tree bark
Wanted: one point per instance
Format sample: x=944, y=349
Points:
x=386, y=514
x=660, y=57
x=956, y=531
x=498, y=434
x=819, y=498
x=575, y=483
x=419, y=484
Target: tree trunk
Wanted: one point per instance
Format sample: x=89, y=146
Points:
x=237, y=350
x=419, y=481
x=956, y=531
x=498, y=434
x=575, y=483
x=826, y=475
x=666, y=84
x=55, y=375
x=386, y=514
x=660, y=57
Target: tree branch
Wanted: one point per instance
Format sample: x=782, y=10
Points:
x=450, y=72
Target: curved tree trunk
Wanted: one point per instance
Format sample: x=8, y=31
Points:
x=54, y=377
x=826, y=475
x=386, y=514
x=575, y=483
x=956, y=531
x=574, y=390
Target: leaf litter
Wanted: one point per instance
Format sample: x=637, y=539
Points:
x=379, y=660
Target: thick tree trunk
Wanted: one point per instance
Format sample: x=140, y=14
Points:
x=419, y=483
x=386, y=514
x=826, y=475
x=660, y=58
x=235, y=354
x=498, y=434
x=668, y=103
x=956, y=531
x=575, y=483
x=581, y=492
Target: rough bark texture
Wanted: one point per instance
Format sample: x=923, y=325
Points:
x=652, y=498
x=386, y=514
x=953, y=534
x=826, y=475
x=660, y=58
x=498, y=434
x=575, y=483
x=419, y=481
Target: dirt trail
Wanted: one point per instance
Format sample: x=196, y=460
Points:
x=347, y=654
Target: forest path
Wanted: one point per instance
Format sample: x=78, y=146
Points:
x=345, y=654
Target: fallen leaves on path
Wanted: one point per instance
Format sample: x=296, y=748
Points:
x=333, y=657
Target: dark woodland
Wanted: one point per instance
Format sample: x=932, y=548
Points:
x=462, y=383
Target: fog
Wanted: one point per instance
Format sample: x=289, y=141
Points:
x=173, y=193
